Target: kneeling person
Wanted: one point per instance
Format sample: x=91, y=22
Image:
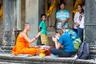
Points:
x=66, y=44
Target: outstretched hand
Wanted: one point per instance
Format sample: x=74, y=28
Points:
x=37, y=35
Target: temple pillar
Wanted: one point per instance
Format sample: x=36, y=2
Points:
x=8, y=21
x=18, y=14
x=90, y=25
x=32, y=10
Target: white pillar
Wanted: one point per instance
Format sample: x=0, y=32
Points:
x=18, y=12
x=8, y=18
x=32, y=10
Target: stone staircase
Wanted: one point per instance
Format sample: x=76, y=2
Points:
x=5, y=49
x=92, y=51
x=7, y=58
x=23, y=59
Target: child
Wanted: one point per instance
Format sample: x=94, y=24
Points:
x=43, y=30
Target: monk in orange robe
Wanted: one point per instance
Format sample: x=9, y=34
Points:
x=23, y=43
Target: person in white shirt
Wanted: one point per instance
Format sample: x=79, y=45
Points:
x=79, y=21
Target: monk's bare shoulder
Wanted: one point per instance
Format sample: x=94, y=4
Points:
x=21, y=34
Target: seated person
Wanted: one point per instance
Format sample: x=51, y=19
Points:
x=23, y=43
x=66, y=44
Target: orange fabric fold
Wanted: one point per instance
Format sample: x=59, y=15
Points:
x=22, y=47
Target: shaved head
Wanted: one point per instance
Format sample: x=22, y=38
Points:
x=27, y=26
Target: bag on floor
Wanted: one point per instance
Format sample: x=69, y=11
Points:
x=83, y=52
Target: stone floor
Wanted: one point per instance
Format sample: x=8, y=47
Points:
x=25, y=59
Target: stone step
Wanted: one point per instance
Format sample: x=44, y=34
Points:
x=45, y=60
x=91, y=48
x=6, y=47
x=5, y=51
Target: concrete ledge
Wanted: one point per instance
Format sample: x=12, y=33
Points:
x=27, y=59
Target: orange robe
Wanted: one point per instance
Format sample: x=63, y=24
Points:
x=22, y=47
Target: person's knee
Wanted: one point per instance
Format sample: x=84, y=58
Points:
x=54, y=51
